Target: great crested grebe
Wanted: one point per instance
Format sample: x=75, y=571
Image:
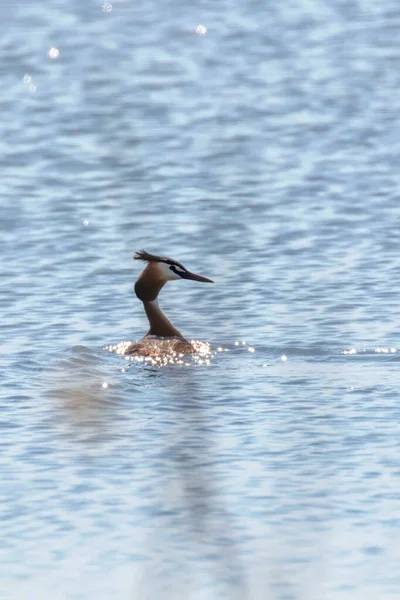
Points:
x=158, y=271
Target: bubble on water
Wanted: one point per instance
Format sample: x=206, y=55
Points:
x=27, y=78
x=107, y=7
x=53, y=53
x=283, y=357
x=86, y=223
x=33, y=87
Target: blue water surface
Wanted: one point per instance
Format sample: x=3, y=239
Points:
x=263, y=154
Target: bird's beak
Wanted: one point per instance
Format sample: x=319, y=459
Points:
x=189, y=275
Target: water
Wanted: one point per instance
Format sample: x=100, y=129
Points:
x=264, y=155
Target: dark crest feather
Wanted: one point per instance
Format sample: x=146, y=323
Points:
x=143, y=255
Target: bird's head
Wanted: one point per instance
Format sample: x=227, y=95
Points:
x=158, y=271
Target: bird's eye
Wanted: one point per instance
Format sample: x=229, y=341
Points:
x=177, y=270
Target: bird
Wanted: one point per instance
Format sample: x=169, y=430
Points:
x=158, y=271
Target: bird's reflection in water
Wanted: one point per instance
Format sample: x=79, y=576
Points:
x=193, y=501
x=155, y=457
x=83, y=400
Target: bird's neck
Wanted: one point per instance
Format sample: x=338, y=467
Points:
x=160, y=325
x=147, y=288
x=149, y=284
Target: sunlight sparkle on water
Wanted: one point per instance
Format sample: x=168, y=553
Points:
x=385, y=350
x=201, y=30
x=53, y=53
x=28, y=80
x=283, y=357
x=161, y=354
x=377, y=350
